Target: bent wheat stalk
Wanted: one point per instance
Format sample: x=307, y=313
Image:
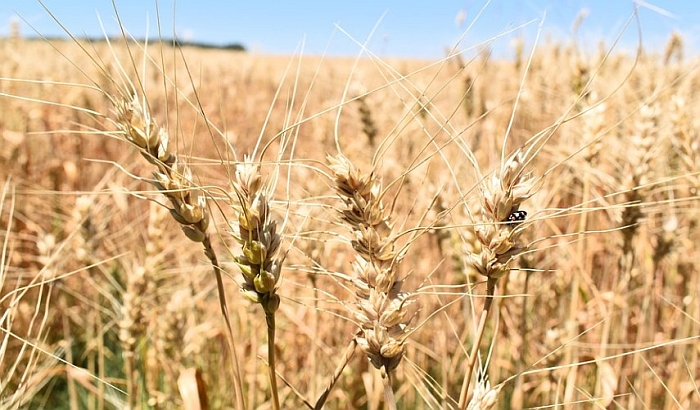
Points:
x=174, y=180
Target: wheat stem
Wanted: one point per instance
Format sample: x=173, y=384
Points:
x=235, y=367
x=270, y=320
x=388, y=390
x=474, y=353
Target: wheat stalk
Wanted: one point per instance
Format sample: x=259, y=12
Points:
x=259, y=262
x=498, y=235
x=173, y=179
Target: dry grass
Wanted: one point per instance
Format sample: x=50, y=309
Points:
x=411, y=244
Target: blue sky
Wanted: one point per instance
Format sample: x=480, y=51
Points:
x=421, y=29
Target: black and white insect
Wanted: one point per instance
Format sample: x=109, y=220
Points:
x=516, y=217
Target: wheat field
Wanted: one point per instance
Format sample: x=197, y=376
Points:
x=209, y=229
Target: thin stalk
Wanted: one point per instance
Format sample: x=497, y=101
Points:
x=314, y=347
x=490, y=290
x=129, y=370
x=389, y=396
x=238, y=385
x=571, y=354
x=270, y=319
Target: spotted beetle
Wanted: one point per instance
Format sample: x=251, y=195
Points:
x=517, y=216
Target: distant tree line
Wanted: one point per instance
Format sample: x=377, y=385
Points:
x=176, y=42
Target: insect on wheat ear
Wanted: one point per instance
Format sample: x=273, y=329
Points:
x=516, y=217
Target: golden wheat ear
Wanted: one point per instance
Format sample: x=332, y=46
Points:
x=499, y=231
x=173, y=178
x=256, y=231
x=382, y=309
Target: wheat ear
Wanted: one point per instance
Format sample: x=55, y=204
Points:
x=382, y=308
x=484, y=397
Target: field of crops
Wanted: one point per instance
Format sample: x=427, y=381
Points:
x=196, y=228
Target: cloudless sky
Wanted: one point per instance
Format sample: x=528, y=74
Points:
x=423, y=29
